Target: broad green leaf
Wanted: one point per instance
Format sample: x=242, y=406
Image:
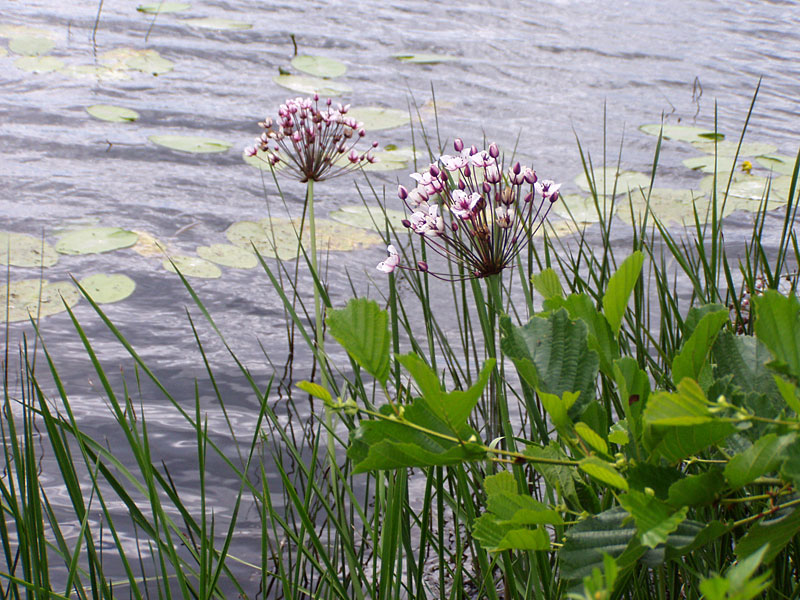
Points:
x=765, y=456
x=105, y=289
x=423, y=58
x=777, y=326
x=777, y=531
x=618, y=436
x=192, y=266
x=619, y=289
x=790, y=469
x=113, y=114
x=679, y=443
x=681, y=133
x=319, y=66
x=163, y=7
x=686, y=407
x=362, y=329
x=694, y=316
x=547, y=284
x=190, y=143
x=39, y=64
x=692, y=358
x=217, y=23
x=228, y=256
x=605, y=180
x=35, y=298
x=788, y=392
x=376, y=118
x=29, y=45
x=588, y=435
x=654, y=519
x=692, y=535
x=745, y=358
x=603, y=471
x=22, y=250
x=306, y=84
x=696, y=490
x=658, y=478
x=563, y=479
x=634, y=390
x=778, y=163
x=316, y=390
x=587, y=542
x=496, y=537
x=558, y=407
x=94, y=240
x=553, y=356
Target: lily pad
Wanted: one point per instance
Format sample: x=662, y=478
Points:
x=750, y=187
x=387, y=159
x=147, y=245
x=729, y=148
x=228, y=256
x=423, y=58
x=306, y=84
x=36, y=297
x=604, y=180
x=277, y=238
x=114, y=114
x=94, y=240
x=190, y=143
x=192, y=266
x=681, y=133
x=358, y=215
x=667, y=204
x=101, y=72
x=29, y=45
x=3, y=52
x=13, y=31
x=163, y=7
x=25, y=251
x=708, y=163
x=319, y=66
x=105, y=289
x=559, y=229
x=145, y=61
x=216, y=23
x=577, y=207
x=376, y=118
x=778, y=163
x=39, y=64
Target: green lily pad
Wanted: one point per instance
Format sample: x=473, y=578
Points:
x=667, y=204
x=559, y=228
x=580, y=207
x=423, y=58
x=190, y=143
x=163, y=7
x=681, y=133
x=114, y=114
x=94, y=240
x=358, y=215
x=319, y=66
x=100, y=72
x=778, y=163
x=154, y=65
x=148, y=246
x=708, y=163
x=604, y=180
x=39, y=64
x=192, y=266
x=29, y=45
x=105, y=289
x=35, y=297
x=145, y=61
x=306, y=84
x=228, y=256
x=750, y=187
x=277, y=238
x=13, y=31
x=376, y=118
x=729, y=148
x=215, y=23
x=26, y=251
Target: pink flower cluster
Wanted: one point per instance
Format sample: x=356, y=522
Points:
x=315, y=143
x=468, y=209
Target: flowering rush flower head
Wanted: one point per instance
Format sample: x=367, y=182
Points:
x=472, y=211
x=315, y=143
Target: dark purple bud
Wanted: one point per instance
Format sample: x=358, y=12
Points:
x=461, y=185
x=406, y=223
x=443, y=176
x=466, y=170
x=487, y=187
x=530, y=176
x=458, y=144
x=529, y=197
x=553, y=197
x=434, y=171
x=516, y=168
x=454, y=226
x=316, y=97
x=402, y=192
x=473, y=150
x=422, y=266
x=329, y=102
x=494, y=151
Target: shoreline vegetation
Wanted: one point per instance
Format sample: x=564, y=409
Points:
x=585, y=431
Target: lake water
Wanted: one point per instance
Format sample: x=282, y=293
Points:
x=544, y=71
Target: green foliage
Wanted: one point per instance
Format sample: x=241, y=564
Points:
x=619, y=289
x=738, y=582
x=362, y=329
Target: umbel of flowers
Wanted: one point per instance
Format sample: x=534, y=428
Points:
x=471, y=211
x=313, y=143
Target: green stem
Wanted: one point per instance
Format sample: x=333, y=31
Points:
x=500, y=419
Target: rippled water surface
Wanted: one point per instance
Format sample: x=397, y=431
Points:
x=544, y=71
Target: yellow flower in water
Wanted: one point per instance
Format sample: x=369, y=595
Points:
x=747, y=166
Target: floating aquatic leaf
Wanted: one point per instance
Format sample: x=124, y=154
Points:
x=261, y=161
x=667, y=204
x=145, y=61
x=778, y=163
x=13, y=31
x=192, y=266
x=387, y=160
x=581, y=208
x=114, y=114
x=105, y=289
x=31, y=297
x=39, y=64
x=163, y=7
x=709, y=163
x=228, y=256
x=29, y=45
x=319, y=66
x=423, y=58
x=358, y=215
x=147, y=245
x=331, y=236
x=376, y=118
x=26, y=251
x=750, y=187
x=190, y=143
x=604, y=180
x=155, y=65
x=681, y=133
x=559, y=229
x=305, y=84
x=94, y=240
x=101, y=72
x=215, y=23
x=729, y=148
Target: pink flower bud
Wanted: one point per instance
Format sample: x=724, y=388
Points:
x=530, y=176
x=467, y=171
x=529, y=197
x=316, y=97
x=353, y=156
x=402, y=192
x=458, y=144
x=486, y=187
x=461, y=185
x=422, y=266
x=494, y=151
x=454, y=226
x=434, y=171
x=406, y=223
x=516, y=168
